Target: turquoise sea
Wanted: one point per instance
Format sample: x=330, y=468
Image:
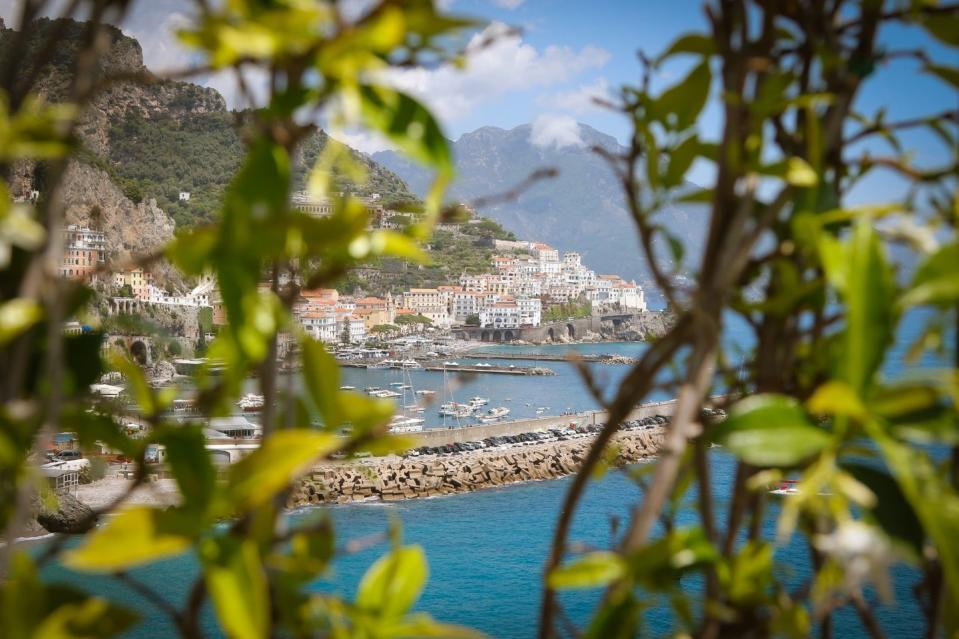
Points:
x=486, y=549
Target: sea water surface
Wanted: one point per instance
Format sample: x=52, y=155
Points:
x=486, y=549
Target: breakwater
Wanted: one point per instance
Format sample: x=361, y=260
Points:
x=399, y=478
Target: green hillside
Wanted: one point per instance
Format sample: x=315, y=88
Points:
x=199, y=152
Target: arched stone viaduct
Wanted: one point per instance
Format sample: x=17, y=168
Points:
x=551, y=331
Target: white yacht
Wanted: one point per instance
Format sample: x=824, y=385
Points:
x=250, y=403
x=403, y=424
x=494, y=414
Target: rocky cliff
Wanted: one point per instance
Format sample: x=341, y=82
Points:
x=92, y=199
x=145, y=140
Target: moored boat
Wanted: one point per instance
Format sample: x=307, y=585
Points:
x=494, y=414
x=251, y=403
x=786, y=487
x=478, y=401
x=403, y=424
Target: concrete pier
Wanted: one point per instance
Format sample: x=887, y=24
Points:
x=443, y=436
x=398, y=478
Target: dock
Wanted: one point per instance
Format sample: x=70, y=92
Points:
x=606, y=358
x=464, y=368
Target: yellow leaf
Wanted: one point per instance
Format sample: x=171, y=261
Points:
x=836, y=398
x=254, y=480
x=134, y=537
x=799, y=173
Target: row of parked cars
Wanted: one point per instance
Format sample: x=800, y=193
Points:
x=553, y=434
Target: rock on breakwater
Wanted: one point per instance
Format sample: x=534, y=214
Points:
x=399, y=478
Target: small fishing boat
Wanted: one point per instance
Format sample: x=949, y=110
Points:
x=403, y=424
x=454, y=409
x=494, y=414
x=478, y=401
x=786, y=487
x=425, y=392
x=348, y=388
x=250, y=403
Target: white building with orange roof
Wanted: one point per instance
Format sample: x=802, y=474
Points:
x=320, y=325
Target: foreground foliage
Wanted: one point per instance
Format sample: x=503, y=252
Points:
x=810, y=275
x=254, y=571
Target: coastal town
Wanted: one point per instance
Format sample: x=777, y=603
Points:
x=527, y=283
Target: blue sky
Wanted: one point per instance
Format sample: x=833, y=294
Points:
x=597, y=42
x=569, y=50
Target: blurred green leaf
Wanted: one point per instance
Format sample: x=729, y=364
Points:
x=16, y=316
x=934, y=501
x=949, y=75
x=191, y=465
x=36, y=131
x=795, y=171
x=662, y=562
x=86, y=618
x=238, y=587
x=696, y=43
x=406, y=123
x=322, y=378
x=892, y=510
x=858, y=270
x=135, y=536
x=256, y=478
x=836, y=398
x=944, y=27
x=936, y=280
x=680, y=105
x=592, y=570
x=750, y=574
x=136, y=384
x=393, y=583
x=619, y=618
x=680, y=160
x=770, y=430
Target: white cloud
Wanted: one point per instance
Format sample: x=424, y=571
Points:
x=552, y=129
x=580, y=100
x=508, y=4
x=498, y=61
x=368, y=142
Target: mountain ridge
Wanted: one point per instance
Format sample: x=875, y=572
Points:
x=582, y=209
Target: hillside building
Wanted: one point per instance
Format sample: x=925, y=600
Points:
x=84, y=253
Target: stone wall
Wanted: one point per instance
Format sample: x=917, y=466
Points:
x=396, y=478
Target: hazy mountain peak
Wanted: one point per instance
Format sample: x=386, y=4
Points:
x=582, y=209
